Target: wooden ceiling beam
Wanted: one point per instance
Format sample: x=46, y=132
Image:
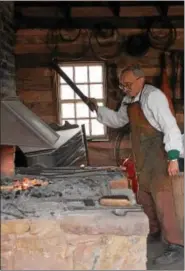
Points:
x=115, y=8
x=26, y=4
x=91, y=22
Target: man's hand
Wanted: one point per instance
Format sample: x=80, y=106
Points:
x=173, y=168
x=93, y=104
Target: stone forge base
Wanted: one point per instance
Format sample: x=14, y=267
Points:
x=76, y=241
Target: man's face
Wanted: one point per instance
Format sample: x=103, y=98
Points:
x=130, y=84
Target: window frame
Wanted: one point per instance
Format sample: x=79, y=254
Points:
x=74, y=101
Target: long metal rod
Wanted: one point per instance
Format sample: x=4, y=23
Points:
x=85, y=143
x=57, y=68
x=84, y=98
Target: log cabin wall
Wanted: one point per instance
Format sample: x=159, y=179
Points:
x=7, y=58
x=36, y=82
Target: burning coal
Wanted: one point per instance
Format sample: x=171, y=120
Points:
x=24, y=184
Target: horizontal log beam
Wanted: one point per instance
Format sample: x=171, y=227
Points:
x=87, y=22
x=75, y=51
x=42, y=108
x=36, y=72
x=93, y=4
x=42, y=60
x=40, y=34
x=49, y=119
x=36, y=96
x=99, y=11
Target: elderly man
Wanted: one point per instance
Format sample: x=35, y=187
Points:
x=157, y=145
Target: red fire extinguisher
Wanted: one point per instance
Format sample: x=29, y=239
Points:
x=128, y=167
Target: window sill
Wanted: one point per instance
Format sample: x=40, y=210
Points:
x=98, y=140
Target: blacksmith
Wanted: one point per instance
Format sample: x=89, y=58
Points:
x=157, y=145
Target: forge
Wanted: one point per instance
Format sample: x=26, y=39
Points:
x=59, y=223
x=52, y=216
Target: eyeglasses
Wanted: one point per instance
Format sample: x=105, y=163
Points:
x=127, y=85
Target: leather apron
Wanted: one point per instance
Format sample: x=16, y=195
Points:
x=156, y=193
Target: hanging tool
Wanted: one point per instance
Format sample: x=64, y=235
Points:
x=85, y=144
x=182, y=75
x=115, y=201
x=84, y=98
x=162, y=40
x=177, y=61
x=178, y=90
x=165, y=84
x=173, y=57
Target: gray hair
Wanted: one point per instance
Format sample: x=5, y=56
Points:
x=135, y=69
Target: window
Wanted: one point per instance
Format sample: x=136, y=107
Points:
x=89, y=78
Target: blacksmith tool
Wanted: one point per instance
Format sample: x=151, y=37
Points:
x=115, y=200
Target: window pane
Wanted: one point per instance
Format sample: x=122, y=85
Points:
x=66, y=92
x=82, y=110
x=84, y=90
x=97, y=128
x=96, y=91
x=93, y=114
x=67, y=111
x=95, y=74
x=68, y=71
x=81, y=74
x=86, y=122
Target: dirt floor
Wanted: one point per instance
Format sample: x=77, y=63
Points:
x=154, y=250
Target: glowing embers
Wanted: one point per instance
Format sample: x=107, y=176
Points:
x=24, y=184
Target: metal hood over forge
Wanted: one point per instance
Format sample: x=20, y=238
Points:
x=21, y=127
x=37, y=140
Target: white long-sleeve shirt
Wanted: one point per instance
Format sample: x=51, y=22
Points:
x=156, y=109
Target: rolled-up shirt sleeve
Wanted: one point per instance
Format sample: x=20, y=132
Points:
x=112, y=118
x=159, y=106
